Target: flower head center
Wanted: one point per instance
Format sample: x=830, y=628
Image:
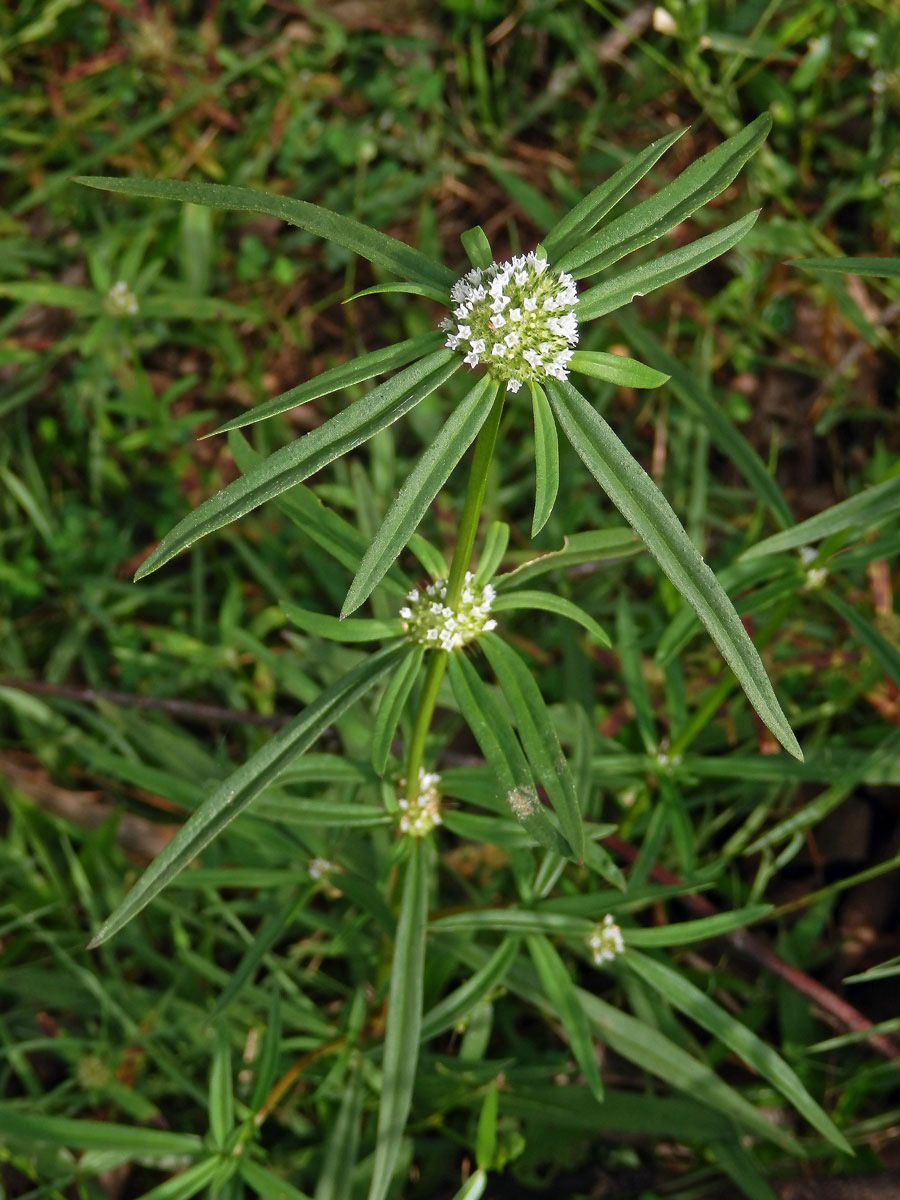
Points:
x=605, y=941
x=429, y=620
x=517, y=317
x=420, y=815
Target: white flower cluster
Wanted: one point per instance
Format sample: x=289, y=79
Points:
x=321, y=868
x=419, y=816
x=606, y=941
x=517, y=317
x=429, y=620
x=121, y=301
x=815, y=576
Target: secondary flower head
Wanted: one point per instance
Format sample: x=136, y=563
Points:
x=419, y=816
x=517, y=317
x=606, y=941
x=121, y=301
x=428, y=619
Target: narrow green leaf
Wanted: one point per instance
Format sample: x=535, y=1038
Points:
x=504, y=755
x=681, y=933
x=694, y=1003
x=392, y=704
x=221, y=1097
x=538, y=737
x=546, y=459
x=308, y=454
x=560, y=990
x=460, y=1002
x=595, y=545
x=265, y=937
x=589, y=212
x=650, y=515
x=441, y=295
x=265, y=1184
x=322, y=625
x=143, y=1144
x=266, y=1065
x=429, y=556
x=54, y=295
x=513, y=920
x=244, y=785
x=883, y=267
x=495, y=542
x=549, y=602
x=649, y=220
x=477, y=247
x=186, y=1183
x=622, y=288
x=377, y=247
x=486, y=1135
x=473, y=1188
x=336, y=1173
x=740, y=1166
x=867, y=509
x=404, y=1019
x=345, y=375
x=700, y=404
x=422, y=485
x=615, y=368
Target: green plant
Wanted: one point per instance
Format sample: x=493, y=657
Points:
x=520, y=737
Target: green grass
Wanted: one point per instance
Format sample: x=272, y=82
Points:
x=423, y=120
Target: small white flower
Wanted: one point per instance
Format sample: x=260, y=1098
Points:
x=121, y=301
x=320, y=868
x=524, y=292
x=419, y=816
x=605, y=941
x=427, y=621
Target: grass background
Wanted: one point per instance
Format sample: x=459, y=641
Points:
x=422, y=120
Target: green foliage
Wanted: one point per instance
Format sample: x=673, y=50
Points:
x=323, y=1005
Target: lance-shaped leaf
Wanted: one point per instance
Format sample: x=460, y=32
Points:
x=377, y=247
x=358, y=370
x=616, y=368
x=322, y=625
x=549, y=602
x=403, y=1030
x=695, y=398
x=244, y=785
x=504, y=755
x=575, y=226
x=308, y=454
x=649, y=220
x=678, y=991
x=538, y=736
x=492, y=550
x=391, y=707
x=460, y=1002
x=560, y=990
x=546, y=459
x=882, y=267
x=592, y=546
x=622, y=288
x=650, y=515
x=424, y=482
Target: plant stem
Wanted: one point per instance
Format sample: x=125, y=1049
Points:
x=462, y=553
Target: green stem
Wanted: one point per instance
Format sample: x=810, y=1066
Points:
x=462, y=554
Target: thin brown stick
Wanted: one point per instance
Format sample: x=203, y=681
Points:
x=185, y=709
x=840, y=1014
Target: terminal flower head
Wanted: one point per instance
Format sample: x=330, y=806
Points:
x=605, y=941
x=428, y=619
x=121, y=301
x=420, y=815
x=517, y=317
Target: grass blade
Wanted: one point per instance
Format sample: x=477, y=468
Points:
x=422, y=485
x=622, y=288
x=335, y=1175
x=244, y=785
x=504, y=755
x=678, y=991
x=303, y=457
x=549, y=602
x=404, y=1019
x=546, y=459
x=364, y=629
x=377, y=247
x=577, y=224
x=694, y=187
x=650, y=515
x=560, y=990
x=885, y=654
x=616, y=368
x=698, y=402
x=391, y=707
x=463, y=999
x=882, y=267
x=358, y=370
x=538, y=737
x=594, y=545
